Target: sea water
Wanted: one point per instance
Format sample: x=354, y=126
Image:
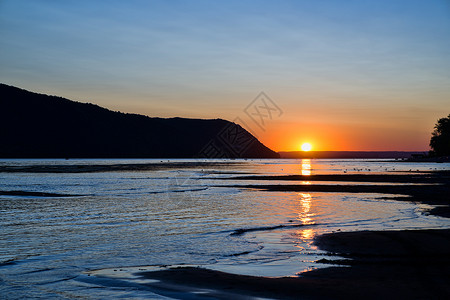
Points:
x=186, y=216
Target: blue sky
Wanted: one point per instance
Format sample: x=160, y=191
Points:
x=374, y=64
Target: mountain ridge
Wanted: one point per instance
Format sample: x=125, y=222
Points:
x=34, y=125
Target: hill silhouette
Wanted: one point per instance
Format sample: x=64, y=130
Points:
x=41, y=126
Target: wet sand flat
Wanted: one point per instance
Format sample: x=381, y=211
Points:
x=91, y=168
x=384, y=264
x=367, y=264
x=392, y=177
x=430, y=187
x=35, y=194
x=407, y=264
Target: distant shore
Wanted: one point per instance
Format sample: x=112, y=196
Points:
x=402, y=156
x=426, y=159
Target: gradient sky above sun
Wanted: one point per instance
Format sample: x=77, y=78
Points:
x=347, y=75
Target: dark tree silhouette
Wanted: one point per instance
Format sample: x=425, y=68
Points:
x=440, y=140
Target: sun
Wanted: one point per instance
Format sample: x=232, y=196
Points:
x=306, y=147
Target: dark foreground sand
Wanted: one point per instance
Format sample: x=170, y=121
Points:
x=379, y=265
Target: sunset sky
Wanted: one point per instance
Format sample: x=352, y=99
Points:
x=347, y=75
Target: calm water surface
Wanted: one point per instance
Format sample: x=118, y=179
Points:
x=171, y=217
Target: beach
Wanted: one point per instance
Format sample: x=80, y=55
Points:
x=388, y=264
x=402, y=264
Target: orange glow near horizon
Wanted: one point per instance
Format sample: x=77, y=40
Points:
x=344, y=137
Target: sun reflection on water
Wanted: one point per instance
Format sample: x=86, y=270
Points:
x=306, y=216
x=307, y=234
x=306, y=167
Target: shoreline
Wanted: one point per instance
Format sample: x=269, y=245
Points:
x=112, y=167
x=413, y=264
x=364, y=264
x=167, y=164
x=430, y=187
